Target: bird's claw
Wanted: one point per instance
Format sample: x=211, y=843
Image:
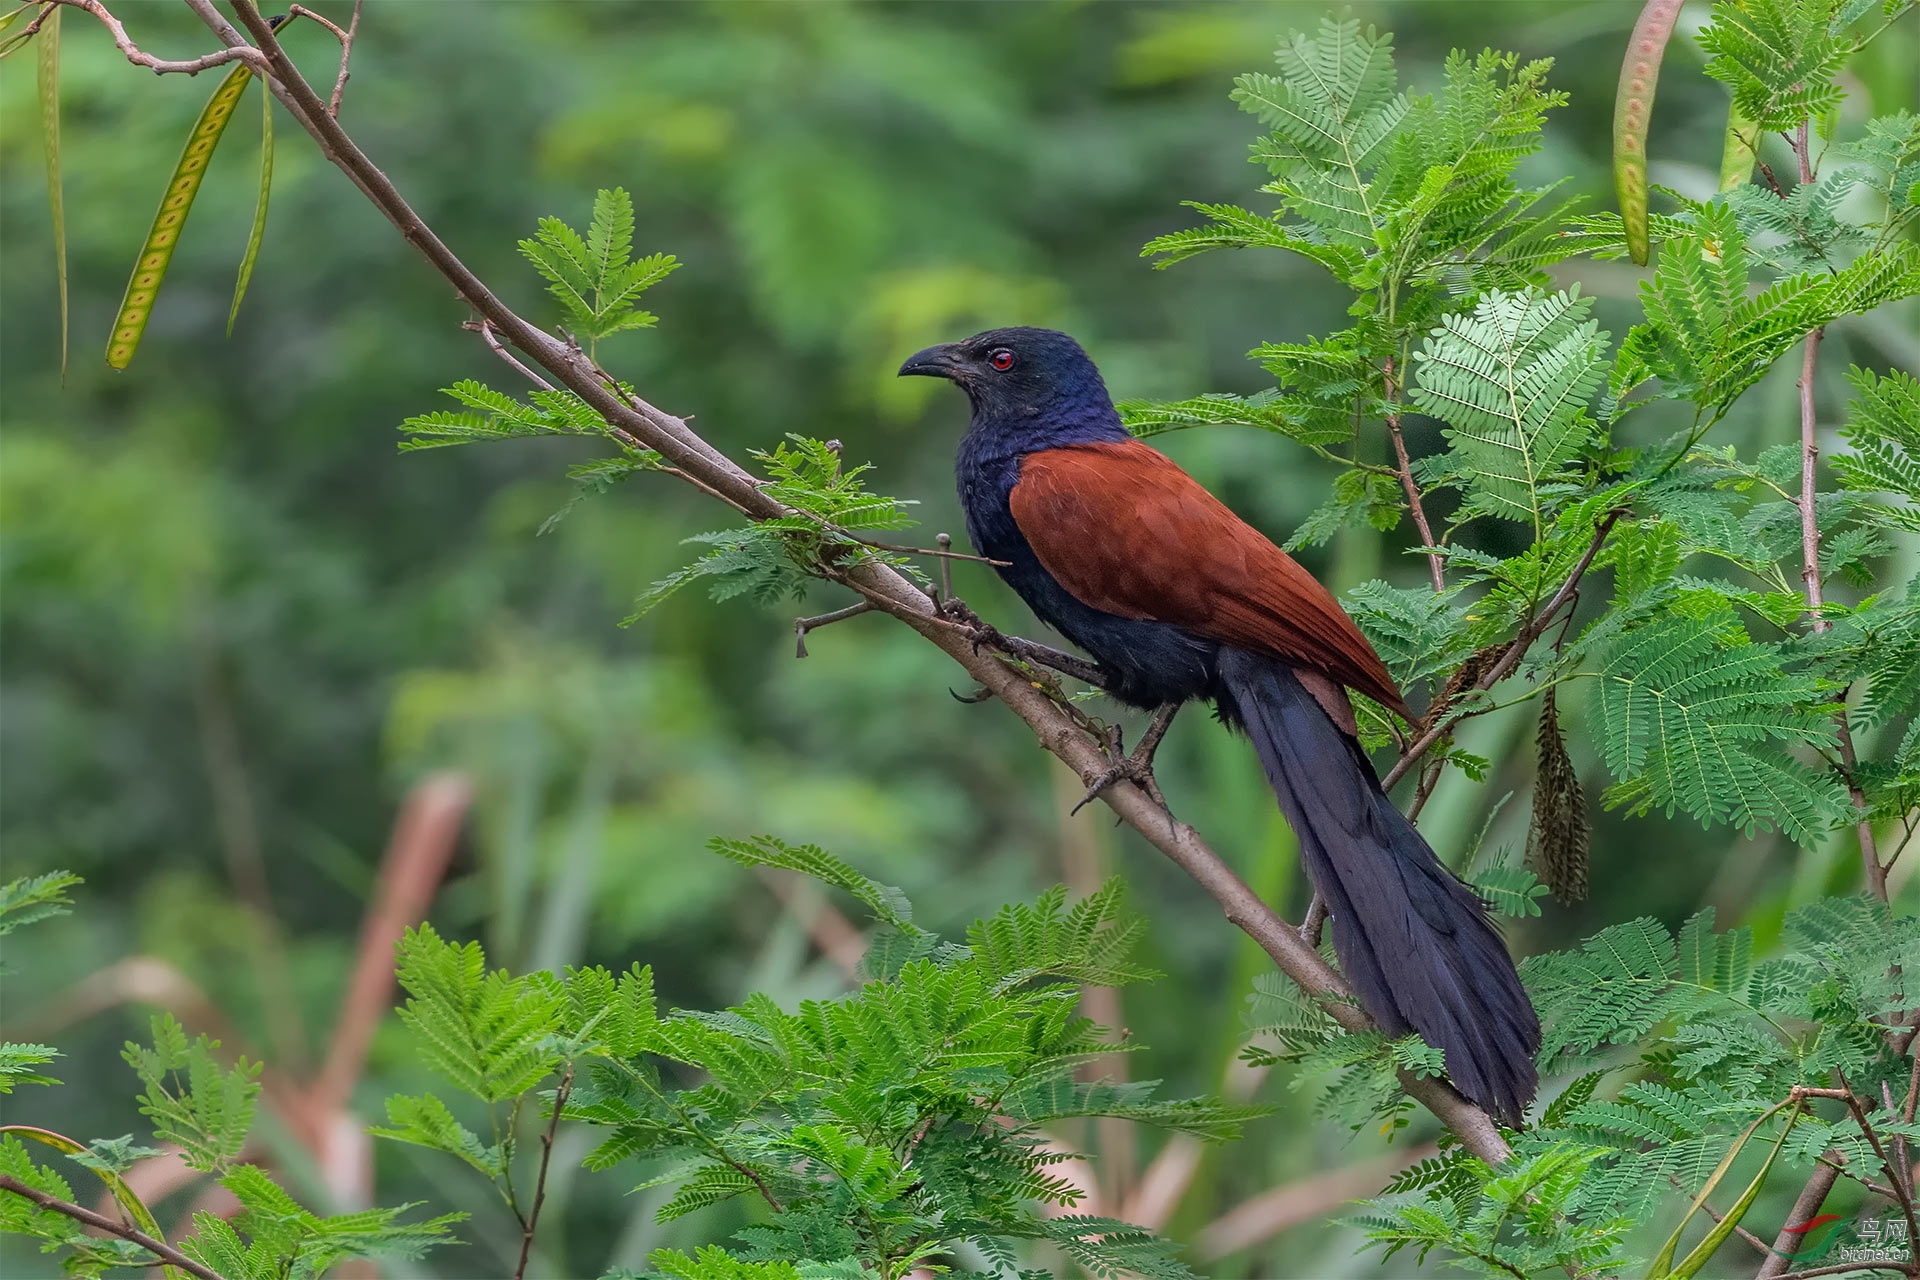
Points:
x=1136, y=768
x=979, y=631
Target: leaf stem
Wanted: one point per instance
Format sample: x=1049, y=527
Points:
x=1404, y=469
x=546, y=1147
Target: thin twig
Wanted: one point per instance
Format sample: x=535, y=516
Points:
x=944, y=541
x=718, y=474
x=1870, y=864
x=100, y=1222
x=164, y=66
x=1405, y=470
x=346, y=47
x=803, y=625
x=1809, y=455
x=943, y=552
x=1521, y=643
x=540, y=1181
x=491, y=337
x=236, y=821
x=1429, y=779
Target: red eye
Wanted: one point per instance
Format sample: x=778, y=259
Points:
x=1001, y=359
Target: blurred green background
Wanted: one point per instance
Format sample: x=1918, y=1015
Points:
x=238, y=626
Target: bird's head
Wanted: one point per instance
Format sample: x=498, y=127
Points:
x=1036, y=386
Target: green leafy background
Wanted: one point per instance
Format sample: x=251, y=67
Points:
x=224, y=535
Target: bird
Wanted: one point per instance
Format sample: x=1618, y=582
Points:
x=1176, y=599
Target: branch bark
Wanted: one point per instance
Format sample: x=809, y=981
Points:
x=100, y=1222
x=713, y=471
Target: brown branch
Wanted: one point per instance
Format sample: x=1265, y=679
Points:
x=100, y=1222
x=714, y=471
x=165, y=66
x=1809, y=454
x=540, y=1181
x=1404, y=468
x=1532, y=631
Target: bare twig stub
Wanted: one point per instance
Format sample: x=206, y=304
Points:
x=719, y=475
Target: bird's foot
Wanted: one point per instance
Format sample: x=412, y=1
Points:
x=979, y=631
x=984, y=634
x=1137, y=767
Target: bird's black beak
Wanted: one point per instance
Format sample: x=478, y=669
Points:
x=943, y=361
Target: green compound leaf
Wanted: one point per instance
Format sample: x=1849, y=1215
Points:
x=1632, y=112
x=260, y=206
x=151, y=267
x=50, y=133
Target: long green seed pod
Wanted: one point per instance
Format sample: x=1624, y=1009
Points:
x=259, y=208
x=151, y=267
x=1632, y=112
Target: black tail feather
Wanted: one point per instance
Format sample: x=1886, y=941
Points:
x=1414, y=941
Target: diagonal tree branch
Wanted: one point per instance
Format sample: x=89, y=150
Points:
x=713, y=471
x=101, y=1222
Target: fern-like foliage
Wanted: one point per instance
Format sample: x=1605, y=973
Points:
x=1707, y=340
x=31, y=899
x=274, y=1238
x=595, y=277
x=191, y=1098
x=1687, y=720
x=1512, y=381
x=1708, y=1040
x=776, y=559
x=1883, y=432
x=1409, y=200
x=1781, y=58
x=877, y=1130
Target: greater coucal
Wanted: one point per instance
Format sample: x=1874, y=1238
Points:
x=1177, y=598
